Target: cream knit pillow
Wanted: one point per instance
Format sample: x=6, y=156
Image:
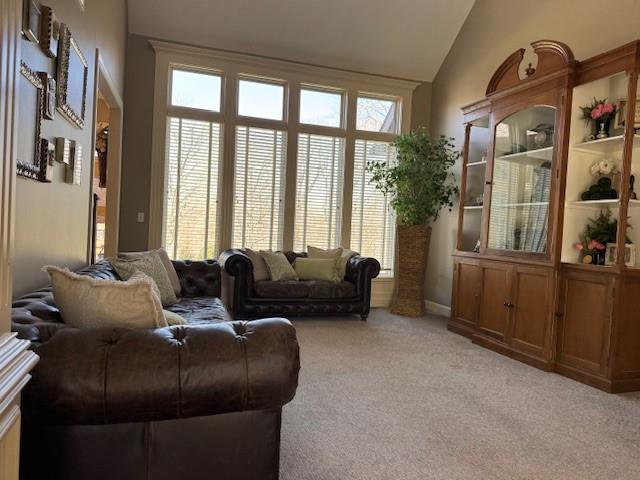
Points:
x=278, y=265
x=87, y=302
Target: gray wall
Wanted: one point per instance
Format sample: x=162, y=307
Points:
x=138, y=128
x=52, y=220
x=494, y=30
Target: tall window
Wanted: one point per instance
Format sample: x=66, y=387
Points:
x=319, y=191
x=372, y=219
x=192, y=168
x=259, y=175
x=273, y=161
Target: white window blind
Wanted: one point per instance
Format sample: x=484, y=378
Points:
x=320, y=173
x=372, y=219
x=191, y=188
x=259, y=177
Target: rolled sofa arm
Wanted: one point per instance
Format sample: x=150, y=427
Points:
x=237, y=279
x=361, y=270
x=102, y=376
x=199, y=277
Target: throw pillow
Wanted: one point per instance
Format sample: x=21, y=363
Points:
x=166, y=261
x=173, y=318
x=150, y=265
x=342, y=254
x=278, y=265
x=317, y=269
x=260, y=270
x=87, y=302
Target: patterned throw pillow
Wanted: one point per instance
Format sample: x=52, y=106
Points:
x=151, y=265
x=166, y=261
x=278, y=265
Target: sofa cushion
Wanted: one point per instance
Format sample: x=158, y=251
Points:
x=279, y=267
x=166, y=261
x=326, y=289
x=317, y=269
x=260, y=270
x=151, y=265
x=87, y=302
x=283, y=289
x=200, y=310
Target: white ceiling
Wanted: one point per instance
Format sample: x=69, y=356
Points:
x=399, y=38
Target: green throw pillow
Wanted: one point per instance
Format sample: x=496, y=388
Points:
x=150, y=265
x=341, y=254
x=278, y=265
x=317, y=269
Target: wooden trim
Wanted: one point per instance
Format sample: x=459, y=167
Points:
x=104, y=83
x=621, y=59
x=10, y=22
x=500, y=347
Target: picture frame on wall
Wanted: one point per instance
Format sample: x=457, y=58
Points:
x=621, y=114
x=31, y=16
x=63, y=150
x=31, y=107
x=47, y=153
x=73, y=171
x=49, y=32
x=49, y=111
x=72, y=73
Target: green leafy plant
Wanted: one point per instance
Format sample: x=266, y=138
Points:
x=600, y=230
x=420, y=182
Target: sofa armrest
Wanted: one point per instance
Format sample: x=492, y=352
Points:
x=199, y=278
x=103, y=375
x=361, y=270
x=237, y=278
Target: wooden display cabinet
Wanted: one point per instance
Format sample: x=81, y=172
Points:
x=520, y=286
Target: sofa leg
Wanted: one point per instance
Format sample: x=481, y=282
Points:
x=363, y=316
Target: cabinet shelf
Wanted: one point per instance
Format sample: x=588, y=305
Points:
x=545, y=153
x=474, y=207
x=611, y=203
x=526, y=204
x=477, y=164
x=605, y=145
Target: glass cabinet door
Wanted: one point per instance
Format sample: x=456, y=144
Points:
x=473, y=194
x=521, y=181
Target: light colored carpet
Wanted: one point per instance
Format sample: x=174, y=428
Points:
x=404, y=399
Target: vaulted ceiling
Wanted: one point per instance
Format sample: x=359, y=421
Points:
x=399, y=38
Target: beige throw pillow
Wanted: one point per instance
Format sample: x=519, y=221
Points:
x=342, y=254
x=151, y=265
x=317, y=269
x=173, y=318
x=166, y=261
x=87, y=302
x=260, y=270
x=278, y=265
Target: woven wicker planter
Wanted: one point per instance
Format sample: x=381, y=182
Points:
x=412, y=251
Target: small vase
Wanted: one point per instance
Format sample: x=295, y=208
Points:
x=601, y=128
x=598, y=257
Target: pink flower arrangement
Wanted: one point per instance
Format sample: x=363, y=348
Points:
x=599, y=110
x=595, y=245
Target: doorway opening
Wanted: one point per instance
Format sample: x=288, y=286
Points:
x=105, y=192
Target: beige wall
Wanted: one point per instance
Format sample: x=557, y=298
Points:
x=53, y=220
x=493, y=30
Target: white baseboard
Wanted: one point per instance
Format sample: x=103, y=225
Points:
x=434, y=308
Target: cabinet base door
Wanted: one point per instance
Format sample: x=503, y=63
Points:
x=495, y=295
x=466, y=297
x=532, y=311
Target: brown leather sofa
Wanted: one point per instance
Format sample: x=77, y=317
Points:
x=197, y=401
x=247, y=299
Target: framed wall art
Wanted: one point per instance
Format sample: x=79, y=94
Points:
x=72, y=75
x=63, y=150
x=73, y=172
x=30, y=158
x=31, y=20
x=49, y=32
x=49, y=108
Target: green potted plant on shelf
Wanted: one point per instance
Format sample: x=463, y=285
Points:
x=418, y=185
x=597, y=234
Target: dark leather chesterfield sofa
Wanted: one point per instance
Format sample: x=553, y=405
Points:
x=198, y=401
x=247, y=299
